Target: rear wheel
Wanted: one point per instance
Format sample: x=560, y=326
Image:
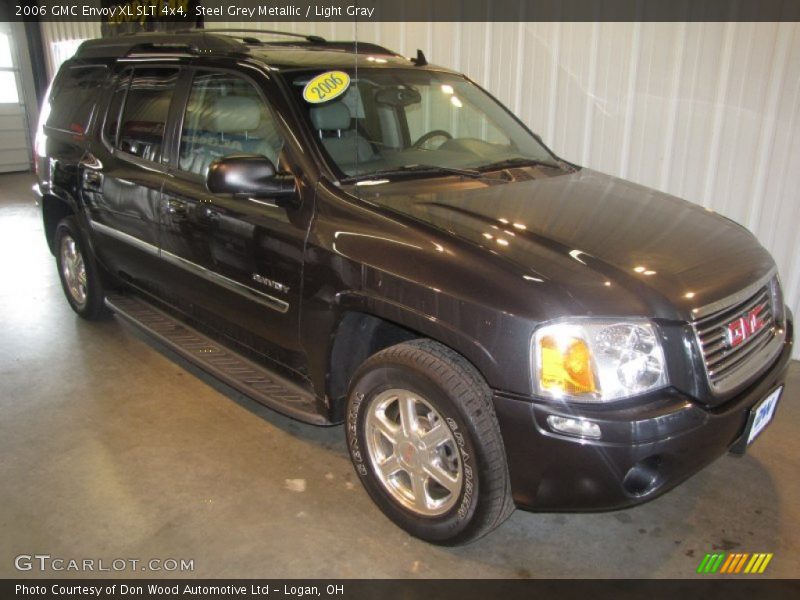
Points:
x=78, y=271
x=424, y=440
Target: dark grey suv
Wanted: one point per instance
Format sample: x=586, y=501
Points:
x=347, y=235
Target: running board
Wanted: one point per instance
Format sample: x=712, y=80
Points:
x=248, y=377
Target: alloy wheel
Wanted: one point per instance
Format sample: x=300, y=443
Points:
x=413, y=452
x=74, y=270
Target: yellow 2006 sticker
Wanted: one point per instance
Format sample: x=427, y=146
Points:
x=326, y=86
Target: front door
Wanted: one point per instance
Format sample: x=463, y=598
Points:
x=236, y=263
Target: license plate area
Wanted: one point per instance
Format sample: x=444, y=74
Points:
x=760, y=416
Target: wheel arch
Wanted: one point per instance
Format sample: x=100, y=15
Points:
x=54, y=209
x=364, y=328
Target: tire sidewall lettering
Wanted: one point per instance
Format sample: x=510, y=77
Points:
x=469, y=486
x=352, y=430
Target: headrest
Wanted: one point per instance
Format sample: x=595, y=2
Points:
x=331, y=117
x=233, y=114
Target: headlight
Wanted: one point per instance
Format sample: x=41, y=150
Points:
x=594, y=360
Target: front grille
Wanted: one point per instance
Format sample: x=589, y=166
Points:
x=729, y=366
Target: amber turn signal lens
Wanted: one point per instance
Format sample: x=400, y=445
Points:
x=566, y=367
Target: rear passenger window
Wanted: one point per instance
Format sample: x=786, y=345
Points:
x=73, y=97
x=144, y=115
x=225, y=115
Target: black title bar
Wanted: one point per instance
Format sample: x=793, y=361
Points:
x=734, y=588
x=210, y=11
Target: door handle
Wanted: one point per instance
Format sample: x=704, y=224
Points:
x=92, y=177
x=176, y=207
x=177, y=210
x=92, y=180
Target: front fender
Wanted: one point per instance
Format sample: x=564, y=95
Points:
x=424, y=323
x=361, y=258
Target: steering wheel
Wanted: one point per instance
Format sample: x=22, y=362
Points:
x=430, y=135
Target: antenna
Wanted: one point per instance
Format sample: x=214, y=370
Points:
x=420, y=60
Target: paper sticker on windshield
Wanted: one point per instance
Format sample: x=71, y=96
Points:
x=326, y=86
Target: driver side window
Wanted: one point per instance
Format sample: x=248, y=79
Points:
x=225, y=115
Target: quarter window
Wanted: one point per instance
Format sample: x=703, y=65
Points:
x=225, y=115
x=73, y=98
x=144, y=116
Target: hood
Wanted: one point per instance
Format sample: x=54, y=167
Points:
x=612, y=246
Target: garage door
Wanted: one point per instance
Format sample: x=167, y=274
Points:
x=15, y=148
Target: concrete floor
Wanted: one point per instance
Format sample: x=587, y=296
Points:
x=111, y=448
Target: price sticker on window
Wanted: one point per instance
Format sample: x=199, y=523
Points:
x=326, y=86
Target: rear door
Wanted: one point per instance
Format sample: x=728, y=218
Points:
x=122, y=180
x=68, y=116
x=238, y=261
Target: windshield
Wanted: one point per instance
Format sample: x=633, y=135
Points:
x=410, y=120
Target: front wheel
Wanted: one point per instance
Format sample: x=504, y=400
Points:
x=424, y=439
x=80, y=278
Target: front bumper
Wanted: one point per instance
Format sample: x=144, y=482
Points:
x=646, y=448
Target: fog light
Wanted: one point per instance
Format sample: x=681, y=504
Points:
x=644, y=477
x=578, y=427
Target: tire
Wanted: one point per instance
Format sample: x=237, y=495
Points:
x=424, y=439
x=78, y=272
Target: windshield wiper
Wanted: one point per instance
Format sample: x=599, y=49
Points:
x=419, y=169
x=519, y=162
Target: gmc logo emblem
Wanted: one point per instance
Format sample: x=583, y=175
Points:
x=744, y=327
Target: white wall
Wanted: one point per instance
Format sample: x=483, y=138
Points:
x=706, y=111
x=52, y=33
x=17, y=100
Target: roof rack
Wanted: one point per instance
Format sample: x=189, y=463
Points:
x=314, y=39
x=311, y=40
x=202, y=41
x=194, y=42
x=345, y=46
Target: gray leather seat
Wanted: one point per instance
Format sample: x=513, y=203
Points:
x=345, y=145
x=228, y=125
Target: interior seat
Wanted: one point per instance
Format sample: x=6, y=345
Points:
x=345, y=145
x=228, y=125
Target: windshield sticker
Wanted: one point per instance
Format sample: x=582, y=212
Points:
x=326, y=87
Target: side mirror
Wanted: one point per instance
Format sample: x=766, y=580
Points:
x=251, y=175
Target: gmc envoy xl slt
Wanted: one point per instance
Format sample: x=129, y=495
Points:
x=350, y=236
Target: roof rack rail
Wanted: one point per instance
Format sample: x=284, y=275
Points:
x=202, y=41
x=195, y=42
x=314, y=39
x=364, y=47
